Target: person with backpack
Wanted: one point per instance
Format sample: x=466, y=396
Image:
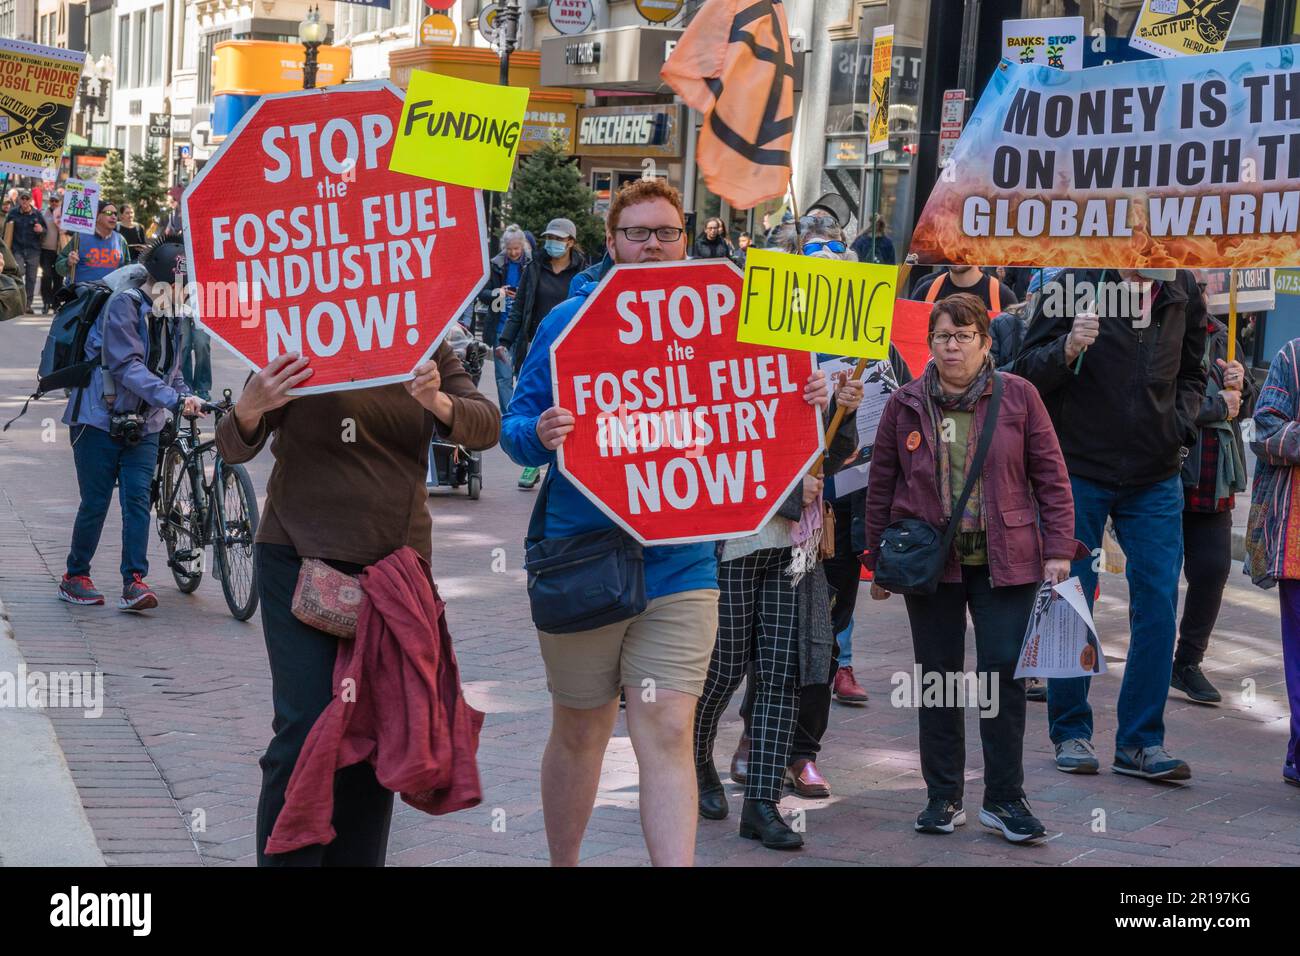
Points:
x=114, y=421
x=89, y=258
x=992, y=291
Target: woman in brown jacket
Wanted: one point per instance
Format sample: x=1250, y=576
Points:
x=348, y=488
x=1016, y=531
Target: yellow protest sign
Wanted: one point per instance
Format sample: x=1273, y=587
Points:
x=817, y=305
x=458, y=131
x=882, y=71
x=1183, y=27
x=37, y=87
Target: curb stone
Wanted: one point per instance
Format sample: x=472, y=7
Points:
x=42, y=820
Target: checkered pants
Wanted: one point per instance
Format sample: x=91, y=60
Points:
x=758, y=621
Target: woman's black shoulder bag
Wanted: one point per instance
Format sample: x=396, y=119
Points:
x=913, y=552
x=582, y=582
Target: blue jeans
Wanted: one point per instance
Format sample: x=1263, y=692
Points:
x=505, y=370
x=845, y=640
x=1149, y=527
x=103, y=462
x=196, y=360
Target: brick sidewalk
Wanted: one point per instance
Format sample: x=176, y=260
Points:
x=169, y=773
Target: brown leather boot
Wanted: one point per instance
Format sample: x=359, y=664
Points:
x=805, y=780
x=740, y=760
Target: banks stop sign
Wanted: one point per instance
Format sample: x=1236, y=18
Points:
x=682, y=433
x=299, y=238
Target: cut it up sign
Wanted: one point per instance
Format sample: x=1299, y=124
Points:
x=302, y=239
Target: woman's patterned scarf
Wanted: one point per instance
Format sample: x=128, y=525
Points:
x=937, y=403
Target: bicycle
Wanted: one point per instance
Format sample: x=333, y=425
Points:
x=202, y=501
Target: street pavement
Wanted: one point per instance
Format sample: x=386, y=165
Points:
x=168, y=773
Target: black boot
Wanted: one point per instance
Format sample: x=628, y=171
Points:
x=761, y=820
x=713, y=799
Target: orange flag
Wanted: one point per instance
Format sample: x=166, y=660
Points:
x=734, y=65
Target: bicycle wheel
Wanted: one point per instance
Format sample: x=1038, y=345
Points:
x=236, y=527
x=179, y=523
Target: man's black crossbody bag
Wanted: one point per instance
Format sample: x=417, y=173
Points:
x=582, y=582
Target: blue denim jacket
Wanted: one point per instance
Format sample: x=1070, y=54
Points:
x=123, y=332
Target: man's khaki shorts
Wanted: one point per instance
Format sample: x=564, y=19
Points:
x=669, y=643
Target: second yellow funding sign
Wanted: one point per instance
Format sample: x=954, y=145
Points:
x=458, y=131
x=817, y=305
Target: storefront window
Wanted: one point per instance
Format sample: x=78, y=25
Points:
x=1115, y=19
x=883, y=185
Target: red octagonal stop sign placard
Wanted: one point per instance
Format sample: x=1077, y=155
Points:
x=682, y=433
x=300, y=239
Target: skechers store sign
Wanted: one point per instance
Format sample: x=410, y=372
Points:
x=623, y=130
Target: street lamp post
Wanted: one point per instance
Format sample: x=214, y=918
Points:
x=507, y=37
x=312, y=34
x=94, y=93
x=507, y=31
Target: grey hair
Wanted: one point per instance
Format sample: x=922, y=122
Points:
x=511, y=233
x=788, y=239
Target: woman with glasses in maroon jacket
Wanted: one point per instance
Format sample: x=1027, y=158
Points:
x=1016, y=530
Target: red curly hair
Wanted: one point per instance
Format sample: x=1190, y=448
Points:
x=643, y=190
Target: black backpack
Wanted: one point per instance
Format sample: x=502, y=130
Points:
x=63, y=359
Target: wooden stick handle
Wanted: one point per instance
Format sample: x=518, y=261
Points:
x=1232, y=314
x=838, y=418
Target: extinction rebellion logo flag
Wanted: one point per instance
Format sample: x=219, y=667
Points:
x=732, y=51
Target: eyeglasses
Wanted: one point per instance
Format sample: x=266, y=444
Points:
x=832, y=245
x=642, y=233
x=108, y=212
x=963, y=338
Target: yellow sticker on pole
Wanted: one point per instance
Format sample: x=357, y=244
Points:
x=882, y=72
x=817, y=305
x=458, y=131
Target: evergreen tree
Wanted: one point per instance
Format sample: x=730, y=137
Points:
x=146, y=186
x=112, y=179
x=547, y=185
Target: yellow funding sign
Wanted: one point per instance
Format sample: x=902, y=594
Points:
x=1183, y=27
x=817, y=305
x=458, y=131
x=882, y=71
x=37, y=87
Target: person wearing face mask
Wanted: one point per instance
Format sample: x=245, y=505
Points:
x=1124, y=384
x=543, y=285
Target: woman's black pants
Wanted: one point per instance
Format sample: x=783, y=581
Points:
x=939, y=640
x=302, y=678
x=1207, y=561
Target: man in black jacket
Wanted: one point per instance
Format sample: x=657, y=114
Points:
x=712, y=243
x=1117, y=358
x=544, y=285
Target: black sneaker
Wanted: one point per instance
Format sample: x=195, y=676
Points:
x=1013, y=819
x=1036, y=690
x=940, y=816
x=1189, y=679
